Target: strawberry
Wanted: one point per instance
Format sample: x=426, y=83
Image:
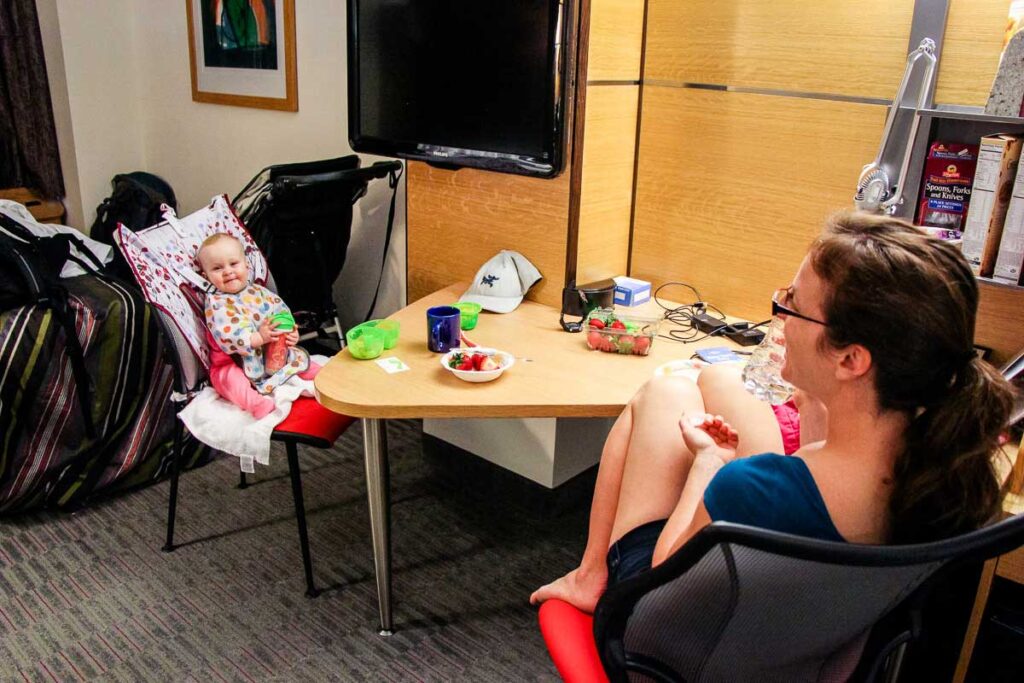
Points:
x=595, y=339
x=456, y=360
x=467, y=364
x=618, y=325
x=597, y=323
x=641, y=346
x=478, y=358
x=488, y=364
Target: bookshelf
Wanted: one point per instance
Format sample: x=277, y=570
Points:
x=951, y=124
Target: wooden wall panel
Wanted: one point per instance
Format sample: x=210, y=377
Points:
x=607, y=187
x=733, y=187
x=970, y=53
x=849, y=47
x=459, y=219
x=616, y=38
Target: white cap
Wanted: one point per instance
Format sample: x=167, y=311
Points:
x=502, y=282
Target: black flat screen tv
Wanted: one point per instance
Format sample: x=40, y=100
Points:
x=477, y=83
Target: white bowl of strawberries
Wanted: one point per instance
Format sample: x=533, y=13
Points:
x=477, y=364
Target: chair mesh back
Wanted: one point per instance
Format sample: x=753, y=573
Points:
x=741, y=614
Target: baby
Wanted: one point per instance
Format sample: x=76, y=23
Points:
x=238, y=318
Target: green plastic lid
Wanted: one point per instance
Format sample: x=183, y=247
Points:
x=283, y=321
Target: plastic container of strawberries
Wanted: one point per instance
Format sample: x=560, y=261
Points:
x=614, y=332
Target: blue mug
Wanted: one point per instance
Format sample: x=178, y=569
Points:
x=443, y=324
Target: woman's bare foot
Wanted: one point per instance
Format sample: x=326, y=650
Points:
x=576, y=588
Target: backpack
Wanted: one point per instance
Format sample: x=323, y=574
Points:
x=30, y=275
x=135, y=202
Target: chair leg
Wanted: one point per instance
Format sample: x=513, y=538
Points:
x=172, y=504
x=300, y=516
x=895, y=663
x=242, y=483
x=340, y=332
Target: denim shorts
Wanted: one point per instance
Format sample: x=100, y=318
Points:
x=632, y=553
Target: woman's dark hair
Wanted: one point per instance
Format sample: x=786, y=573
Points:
x=911, y=301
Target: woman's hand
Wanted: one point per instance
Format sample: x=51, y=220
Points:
x=704, y=433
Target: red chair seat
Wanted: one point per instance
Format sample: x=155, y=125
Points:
x=310, y=423
x=569, y=635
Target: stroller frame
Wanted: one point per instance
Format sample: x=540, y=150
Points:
x=290, y=207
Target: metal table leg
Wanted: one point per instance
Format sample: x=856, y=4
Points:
x=378, y=491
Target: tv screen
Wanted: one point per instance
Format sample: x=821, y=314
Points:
x=459, y=82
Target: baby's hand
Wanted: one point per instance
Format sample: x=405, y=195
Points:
x=264, y=335
x=291, y=338
x=702, y=432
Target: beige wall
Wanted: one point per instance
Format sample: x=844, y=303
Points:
x=129, y=107
x=90, y=53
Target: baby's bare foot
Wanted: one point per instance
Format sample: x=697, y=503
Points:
x=574, y=588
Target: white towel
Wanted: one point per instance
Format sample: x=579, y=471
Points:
x=225, y=427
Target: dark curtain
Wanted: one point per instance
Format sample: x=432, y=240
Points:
x=28, y=139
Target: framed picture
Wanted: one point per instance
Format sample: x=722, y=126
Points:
x=242, y=53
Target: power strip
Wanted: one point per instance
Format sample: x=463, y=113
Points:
x=748, y=337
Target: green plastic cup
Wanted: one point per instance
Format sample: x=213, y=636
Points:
x=365, y=342
x=388, y=327
x=469, y=312
x=282, y=321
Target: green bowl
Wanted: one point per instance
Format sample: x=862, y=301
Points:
x=469, y=312
x=365, y=342
x=388, y=327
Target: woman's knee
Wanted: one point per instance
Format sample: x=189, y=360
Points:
x=674, y=391
x=716, y=379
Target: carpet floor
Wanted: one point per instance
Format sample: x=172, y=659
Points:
x=90, y=597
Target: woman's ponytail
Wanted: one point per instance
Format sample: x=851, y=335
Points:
x=944, y=481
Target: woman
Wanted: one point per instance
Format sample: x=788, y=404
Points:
x=899, y=419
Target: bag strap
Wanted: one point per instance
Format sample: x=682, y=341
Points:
x=393, y=178
x=83, y=382
x=21, y=232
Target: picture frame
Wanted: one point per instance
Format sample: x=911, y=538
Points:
x=243, y=56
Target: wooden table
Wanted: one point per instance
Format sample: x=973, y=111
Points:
x=554, y=375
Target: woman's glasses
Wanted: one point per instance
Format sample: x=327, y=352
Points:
x=780, y=307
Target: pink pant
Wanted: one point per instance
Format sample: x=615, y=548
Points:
x=230, y=382
x=789, y=425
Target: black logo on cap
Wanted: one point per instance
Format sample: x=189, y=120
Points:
x=489, y=280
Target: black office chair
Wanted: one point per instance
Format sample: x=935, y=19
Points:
x=300, y=215
x=743, y=604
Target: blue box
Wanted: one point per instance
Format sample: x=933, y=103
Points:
x=631, y=292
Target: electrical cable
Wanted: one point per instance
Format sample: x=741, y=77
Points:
x=683, y=316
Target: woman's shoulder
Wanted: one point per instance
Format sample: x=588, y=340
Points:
x=772, y=491
x=764, y=463
x=753, y=475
